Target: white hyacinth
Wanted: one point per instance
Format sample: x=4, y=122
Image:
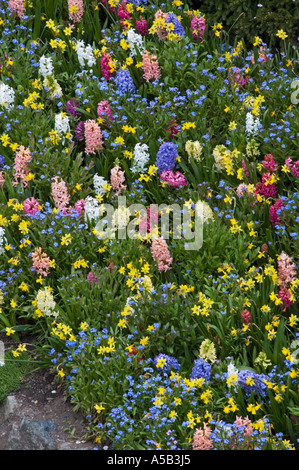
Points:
x=99, y=182
x=45, y=302
x=62, y=125
x=7, y=96
x=91, y=208
x=85, y=54
x=193, y=150
x=46, y=66
x=3, y=240
x=140, y=158
x=135, y=42
x=204, y=211
x=252, y=125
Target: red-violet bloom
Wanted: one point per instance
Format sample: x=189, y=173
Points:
x=285, y=295
x=40, y=262
x=269, y=163
x=31, y=206
x=104, y=112
x=246, y=316
x=79, y=131
x=91, y=278
x=198, y=26
x=117, y=178
x=174, y=179
x=274, y=216
x=105, y=67
x=149, y=222
x=161, y=254
x=141, y=26
x=293, y=166
x=172, y=128
x=71, y=106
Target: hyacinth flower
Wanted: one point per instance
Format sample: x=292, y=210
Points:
x=150, y=66
x=60, y=195
x=293, y=166
x=236, y=78
x=71, y=106
x=76, y=10
x=18, y=6
x=198, y=26
x=40, y=262
x=104, y=112
x=166, y=157
x=141, y=26
x=21, y=168
x=161, y=254
x=93, y=137
x=117, y=179
x=175, y=179
x=31, y=206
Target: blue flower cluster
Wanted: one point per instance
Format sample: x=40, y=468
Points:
x=201, y=369
x=166, y=157
x=171, y=362
x=257, y=384
x=178, y=28
x=124, y=81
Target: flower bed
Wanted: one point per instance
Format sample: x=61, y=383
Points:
x=149, y=220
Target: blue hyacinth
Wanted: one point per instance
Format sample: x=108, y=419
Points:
x=201, y=370
x=171, y=362
x=124, y=81
x=166, y=157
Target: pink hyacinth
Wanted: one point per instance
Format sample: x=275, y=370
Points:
x=236, y=78
x=141, y=26
x=269, y=163
x=201, y=439
x=273, y=211
x=93, y=137
x=2, y=179
x=31, y=206
x=246, y=316
x=105, y=67
x=150, y=67
x=174, y=179
x=161, y=254
x=91, y=278
x=241, y=189
x=18, y=6
x=148, y=222
x=40, y=262
x=286, y=270
x=240, y=422
x=79, y=206
x=76, y=10
x=22, y=158
x=198, y=26
x=117, y=178
x=60, y=195
x=285, y=295
x=262, y=55
x=293, y=166
x=104, y=112
x=172, y=128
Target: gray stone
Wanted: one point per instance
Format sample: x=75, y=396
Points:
x=8, y=407
x=32, y=435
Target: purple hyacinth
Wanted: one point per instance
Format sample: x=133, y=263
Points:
x=201, y=370
x=255, y=385
x=71, y=106
x=166, y=157
x=79, y=131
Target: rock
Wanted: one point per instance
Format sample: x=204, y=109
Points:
x=32, y=435
x=8, y=407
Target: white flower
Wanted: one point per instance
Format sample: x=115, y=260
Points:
x=7, y=96
x=252, y=125
x=45, y=302
x=91, y=208
x=85, y=54
x=3, y=240
x=204, y=211
x=193, y=150
x=99, y=182
x=62, y=125
x=140, y=158
x=46, y=66
x=135, y=42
